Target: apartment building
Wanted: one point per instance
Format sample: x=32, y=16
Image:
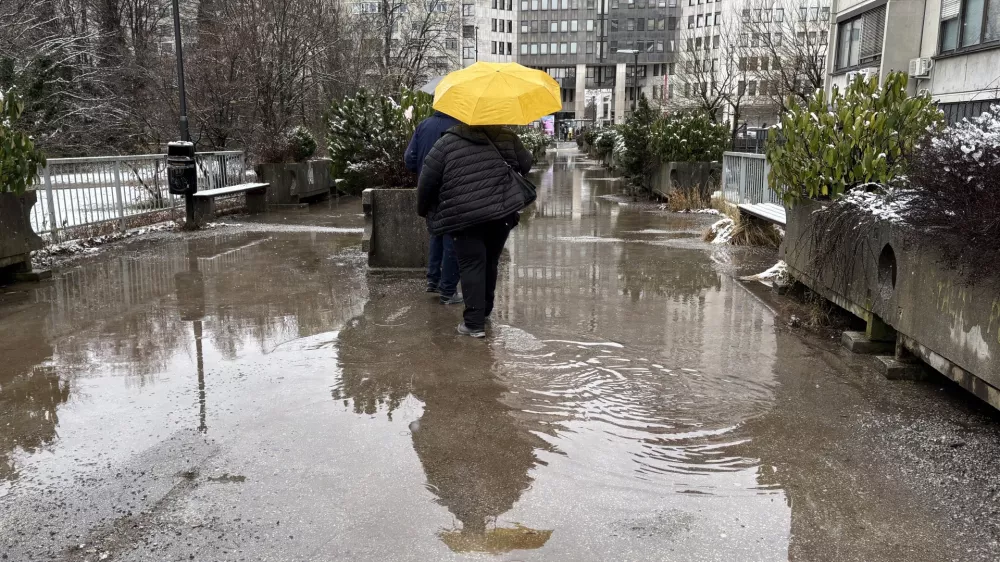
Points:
x=949, y=48
x=488, y=31
x=599, y=49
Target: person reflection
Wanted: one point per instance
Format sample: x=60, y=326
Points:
x=476, y=453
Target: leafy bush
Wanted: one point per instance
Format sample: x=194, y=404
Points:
x=301, y=144
x=590, y=136
x=367, y=136
x=604, y=141
x=535, y=141
x=689, y=137
x=19, y=159
x=862, y=136
x=956, y=196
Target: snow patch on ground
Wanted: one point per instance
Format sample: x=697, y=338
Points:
x=53, y=254
x=721, y=232
x=776, y=275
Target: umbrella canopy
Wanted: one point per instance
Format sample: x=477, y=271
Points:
x=496, y=541
x=490, y=93
x=431, y=84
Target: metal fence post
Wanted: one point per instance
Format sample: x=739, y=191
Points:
x=50, y=200
x=743, y=180
x=119, y=203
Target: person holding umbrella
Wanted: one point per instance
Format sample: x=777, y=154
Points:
x=471, y=186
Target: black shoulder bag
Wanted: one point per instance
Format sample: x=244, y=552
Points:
x=527, y=188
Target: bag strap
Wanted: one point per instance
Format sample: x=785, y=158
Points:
x=488, y=139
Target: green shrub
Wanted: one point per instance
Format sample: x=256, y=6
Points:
x=689, y=137
x=862, y=136
x=19, y=159
x=535, y=141
x=634, y=155
x=367, y=136
x=605, y=140
x=301, y=144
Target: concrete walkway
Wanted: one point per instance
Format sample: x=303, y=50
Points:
x=251, y=393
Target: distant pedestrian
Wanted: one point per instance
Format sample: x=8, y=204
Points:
x=466, y=190
x=442, y=265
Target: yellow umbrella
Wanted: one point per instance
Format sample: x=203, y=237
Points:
x=491, y=93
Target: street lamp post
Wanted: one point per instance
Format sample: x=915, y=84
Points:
x=635, y=74
x=185, y=134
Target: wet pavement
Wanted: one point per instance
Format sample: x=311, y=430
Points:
x=251, y=393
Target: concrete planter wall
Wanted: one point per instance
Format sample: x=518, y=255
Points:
x=292, y=182
x=395, y=237
x=17, y=239
x=893, y=276
x=687, y=176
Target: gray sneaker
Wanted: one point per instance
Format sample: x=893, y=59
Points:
x=454, y=299
x=466, y=331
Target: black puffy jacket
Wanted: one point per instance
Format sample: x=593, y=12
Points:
x=464, y=182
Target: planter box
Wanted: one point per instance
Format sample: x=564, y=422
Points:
x=292, y=182
x=17, y=239
x=395, y=237
x=687, y=176
x=890, y=276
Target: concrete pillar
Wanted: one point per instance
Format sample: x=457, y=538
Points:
x=620, y=80
x=581, y=90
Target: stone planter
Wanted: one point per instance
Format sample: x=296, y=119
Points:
x=889, y=276
x=395, y=237
x=701, y=177
x=17, y=239
x=292, y=182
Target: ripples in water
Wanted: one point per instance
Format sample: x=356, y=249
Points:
x=672, y=419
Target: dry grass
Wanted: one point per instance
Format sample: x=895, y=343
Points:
x=682, y=200
x=747, y=232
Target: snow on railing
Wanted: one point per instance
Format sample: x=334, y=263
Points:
x=74, y=193
x=744, y=179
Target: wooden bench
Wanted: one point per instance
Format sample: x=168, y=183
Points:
x=204, y=201
x=770, y=212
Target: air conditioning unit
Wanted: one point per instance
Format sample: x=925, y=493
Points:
x=921, y=68
x=867, y=73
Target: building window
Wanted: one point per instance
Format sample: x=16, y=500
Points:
x=534, y=48
x=451, y=44
x=493, y=48
x=640, y=24
x=661, y=23
x=534, y=26
x=545, y=48
x=510, y=26
x=469, y=53
x=701, y=21
x=859, y=40
x=614, y=26
x=534, y=5
x=613, y=47
x=718, y=18
x=524, y=26
x=572, y=48
x=524, y=5
x=671, y=23
x=563, y=48
x=630, y=24
x=553, y=26
x=468, y=9
x=552, y=48
x=564, y=4
x=697, y=44
x=965, y=23
x=524, y=48
x=659, y=45
x=590, y=48
x=763, y=64
x=494, y=24
x=690, y=44
x=545, y=4
x=574, y=26
x=564, y=26
x=590, y=25
x=716, y=41
x=690, y=22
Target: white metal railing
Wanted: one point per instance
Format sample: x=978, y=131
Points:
x=74, y=193
x=744, y=179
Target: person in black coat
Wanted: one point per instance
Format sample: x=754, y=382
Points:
x=465, y=189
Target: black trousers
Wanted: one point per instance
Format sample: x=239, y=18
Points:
x=478, y=249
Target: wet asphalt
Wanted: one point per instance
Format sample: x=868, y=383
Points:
x=251, y=392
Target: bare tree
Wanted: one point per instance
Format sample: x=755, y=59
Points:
x=710, y=78
x=784, y=46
